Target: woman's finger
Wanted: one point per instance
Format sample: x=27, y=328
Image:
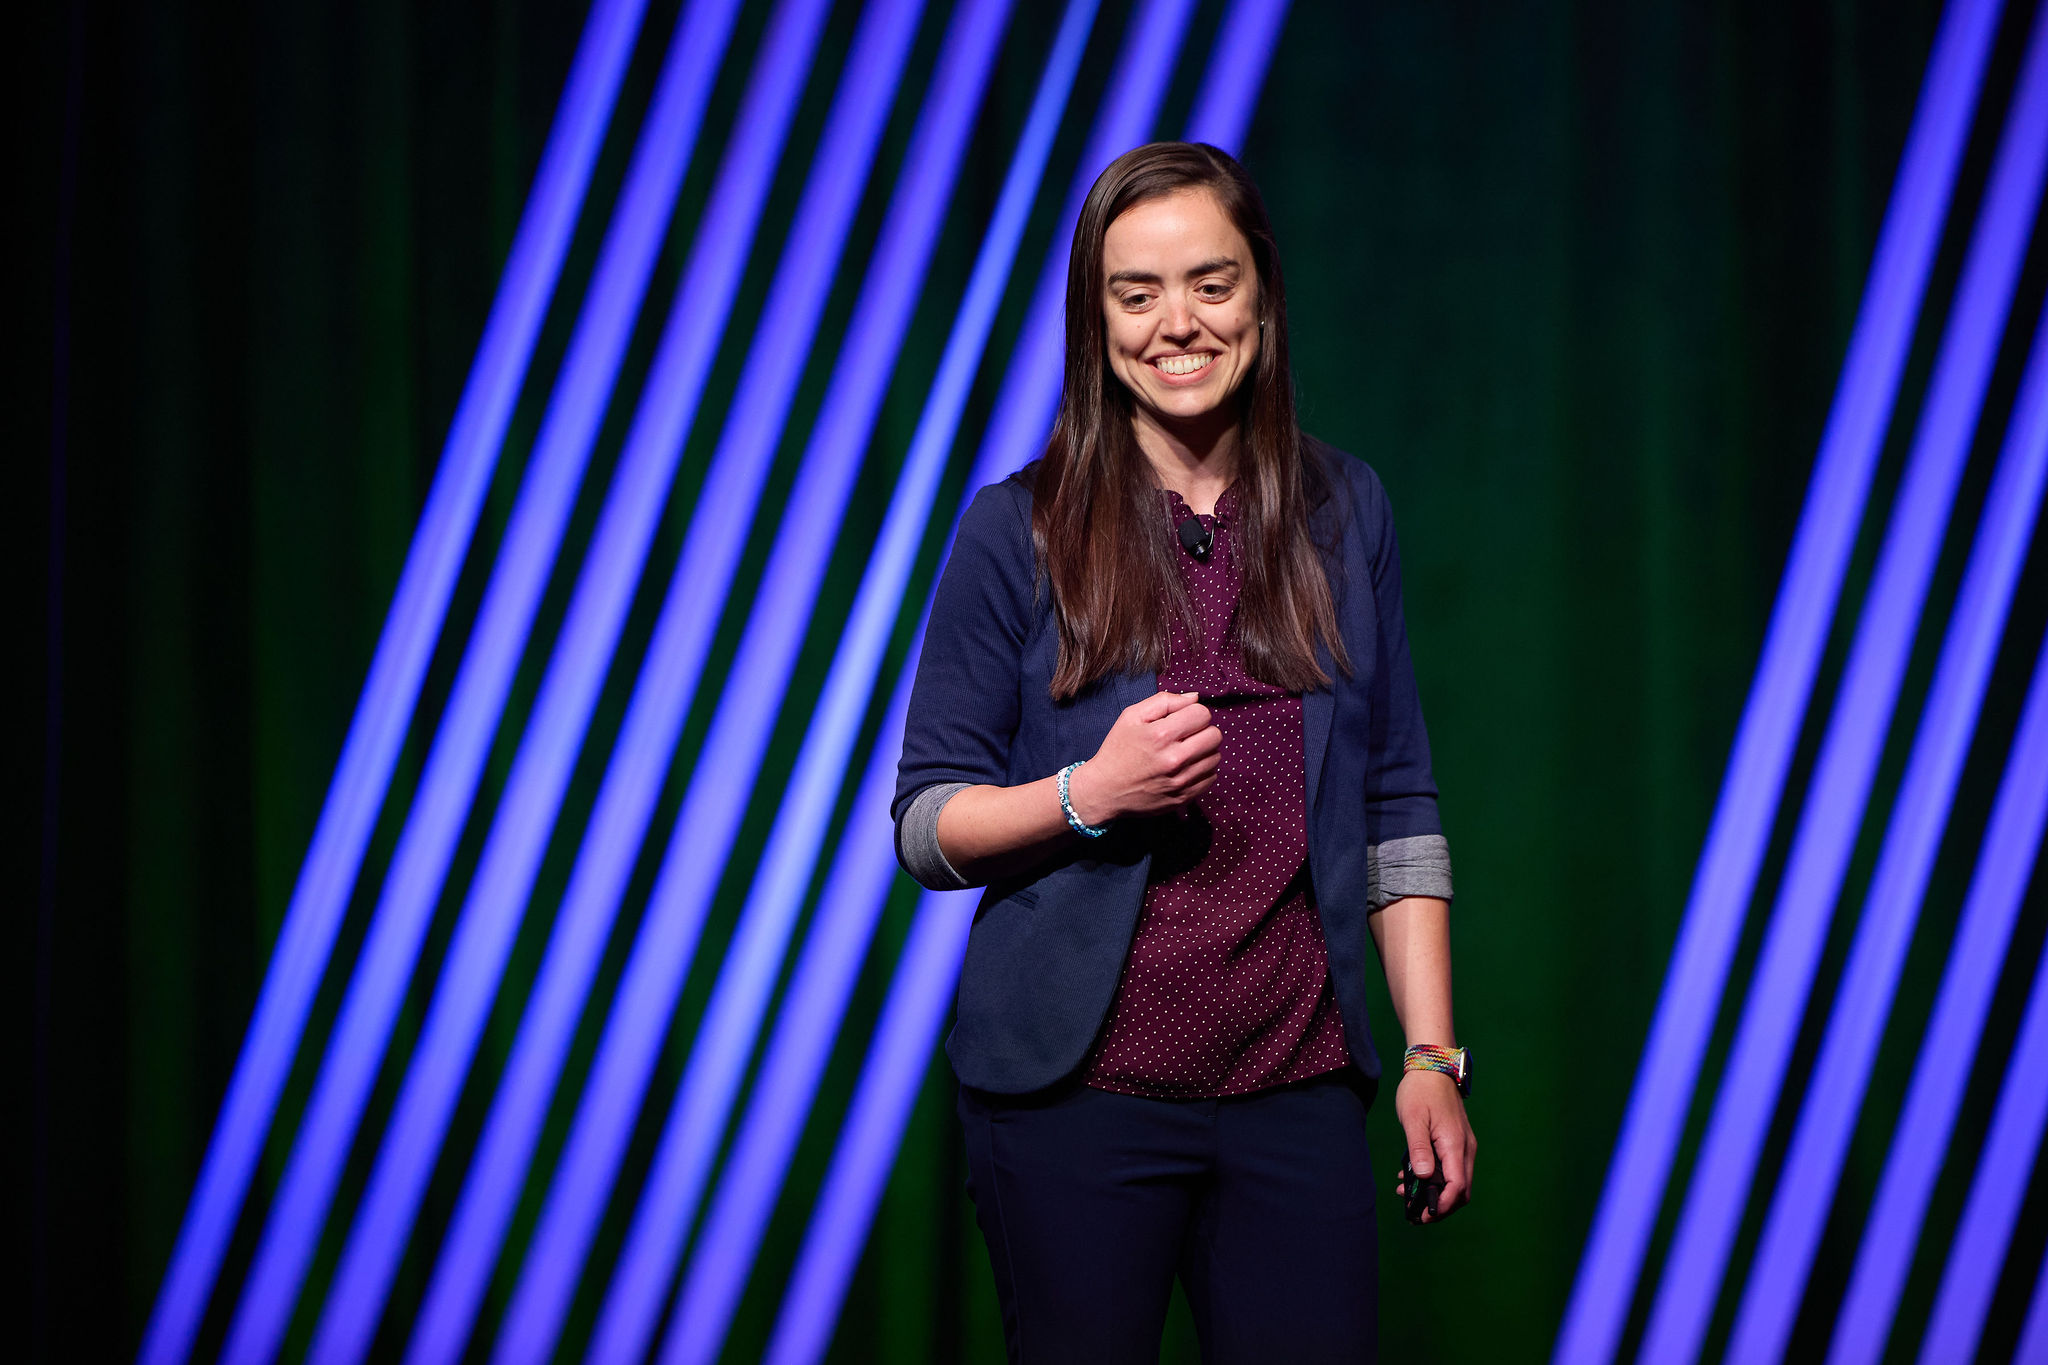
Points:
x=1160, y=705
x=1203, y=746
x=1189, y=720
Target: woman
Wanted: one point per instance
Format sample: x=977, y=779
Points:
x=1165, y=714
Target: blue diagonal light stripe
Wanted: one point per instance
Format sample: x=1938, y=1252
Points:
x=553, y=736
x=1949, y=1049
x=674, y=387
x=414, y=882
x=718, y=533
x=898, y=1055
x=1747, y=807
x=812, y=1006
x=824, y=977
x=1839, y=793
x=2005, y=1167
x=384, y=712
x=1777, y=1277
x=2033, y=1347
x=864, y=869
x=419, y=866
x=767, y=654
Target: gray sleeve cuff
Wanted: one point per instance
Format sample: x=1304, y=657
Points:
x=917, y=838
x=1417, y=866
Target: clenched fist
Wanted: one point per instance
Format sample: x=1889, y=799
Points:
x=1161, y=754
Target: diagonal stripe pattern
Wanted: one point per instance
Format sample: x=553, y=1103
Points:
x=1635, y=1183
x=1927, y=1119
x=1820, y=1141
x=761, y=671
x=512, y=851
x=1992, y=1206
x=1833, y=810
x=404, y=647
x=2005, y=862
x=454, y=768
x=661, y=953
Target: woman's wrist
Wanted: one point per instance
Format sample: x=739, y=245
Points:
x=1089, y=802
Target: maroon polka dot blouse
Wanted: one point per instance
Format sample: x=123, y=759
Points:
x=1227, y=986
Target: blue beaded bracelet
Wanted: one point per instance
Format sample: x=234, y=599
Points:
x=1092, y=831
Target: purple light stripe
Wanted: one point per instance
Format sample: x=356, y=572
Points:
x=1237, y=70
x=766, y=657
x=384, y=711
x=1777, y=1278
x=1840, y=793
x=718, y=533
x=413, y=884
x=812, y=1012
x=816, y=999
x=649, y=733
x=1747, y=807
x=553, y=736
x=890, y=1080
x=1977, y=1254
x=1948, y=1048
x=2033, y=1347
x=1836, y=801
x=864, y=870
x=691, y=336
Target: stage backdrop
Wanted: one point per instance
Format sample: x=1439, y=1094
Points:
x=493, y=462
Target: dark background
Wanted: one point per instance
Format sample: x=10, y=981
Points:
x=1577, y=279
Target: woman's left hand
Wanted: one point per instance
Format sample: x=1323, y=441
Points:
x=1432, y=1115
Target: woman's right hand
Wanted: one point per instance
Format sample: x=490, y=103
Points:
x=1161, y=754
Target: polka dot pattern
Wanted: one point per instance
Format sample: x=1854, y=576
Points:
x=1227, y=986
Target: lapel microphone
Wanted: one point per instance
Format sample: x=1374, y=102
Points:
x=1196, y=538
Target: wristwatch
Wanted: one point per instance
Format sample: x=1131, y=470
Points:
x=1455, y=1062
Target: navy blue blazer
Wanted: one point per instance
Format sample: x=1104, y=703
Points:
x=1047, y=949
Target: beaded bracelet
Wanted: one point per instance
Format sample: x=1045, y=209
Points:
x=1080, y=827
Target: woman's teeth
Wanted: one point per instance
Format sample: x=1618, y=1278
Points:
x=1182, y=364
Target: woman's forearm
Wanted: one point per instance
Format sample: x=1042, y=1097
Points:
x=990, y=832
x=1413, y=936
x=1162, y=753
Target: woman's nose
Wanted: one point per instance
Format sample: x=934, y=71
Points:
x=1179, y=322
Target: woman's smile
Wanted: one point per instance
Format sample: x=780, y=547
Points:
x=1186, y=368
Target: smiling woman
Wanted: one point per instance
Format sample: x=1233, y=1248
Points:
x=1165, y=712
x=1180, y=241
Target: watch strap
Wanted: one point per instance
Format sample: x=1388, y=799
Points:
x=1455, y=1062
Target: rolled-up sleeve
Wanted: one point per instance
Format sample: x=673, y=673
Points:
x=1406, y=853
x=964, y=707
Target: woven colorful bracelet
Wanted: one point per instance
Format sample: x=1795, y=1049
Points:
x=1452, y=1061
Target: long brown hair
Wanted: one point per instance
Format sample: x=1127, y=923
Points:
x=1102, y=540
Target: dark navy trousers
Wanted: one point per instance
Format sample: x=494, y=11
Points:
x=1262, y=1204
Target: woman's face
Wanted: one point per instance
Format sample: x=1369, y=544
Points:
x=1181, y=307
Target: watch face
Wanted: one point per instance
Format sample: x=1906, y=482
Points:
x=1465, y=1070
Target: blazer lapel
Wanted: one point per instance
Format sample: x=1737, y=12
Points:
x=1316, y=709
x=1319, y=707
